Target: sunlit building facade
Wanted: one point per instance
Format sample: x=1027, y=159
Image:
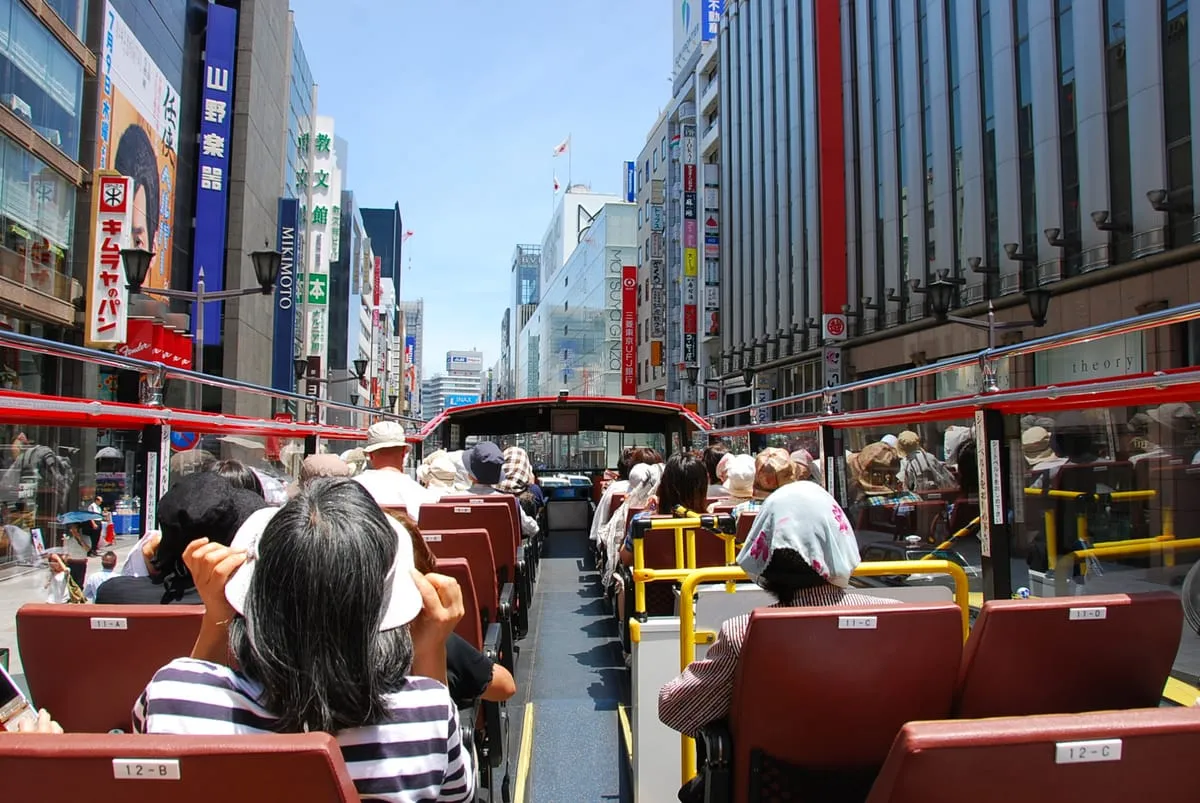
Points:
x=573, y=340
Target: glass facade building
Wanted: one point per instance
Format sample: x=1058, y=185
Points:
x=572, y=340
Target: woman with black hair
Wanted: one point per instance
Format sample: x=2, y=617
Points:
x=802, y=551
x=136, y=159
x=331, y=629
x=684, y=483
x=240, y=476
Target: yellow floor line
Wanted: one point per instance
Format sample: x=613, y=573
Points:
x=1180, y=693
x=525, y=756
x=628, y=731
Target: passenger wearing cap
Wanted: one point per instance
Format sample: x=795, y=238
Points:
x=319, y=607
x=773, y=468
x=484, y=463
x=518, y=480
x=802, y=551
x=1171, y=428
x=199, y=506
x=386, y=480
x=441, y=477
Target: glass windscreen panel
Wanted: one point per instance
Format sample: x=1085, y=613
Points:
x=1106, y=501
x=584, y=451
x=69, y=488
x=911, y=492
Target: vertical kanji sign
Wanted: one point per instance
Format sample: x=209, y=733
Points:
x=212, y=163
x=107, y=297
x=629, y=330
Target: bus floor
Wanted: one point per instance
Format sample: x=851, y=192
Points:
x=565, y=726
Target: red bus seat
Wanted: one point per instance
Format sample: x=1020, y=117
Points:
x=470, y=628
x=198, y=769
x=819, y=695
x=124, y=646
x=494, y=603
x=744, y=523
x=1069, y=654
x=1107, y=757
x=495, y=517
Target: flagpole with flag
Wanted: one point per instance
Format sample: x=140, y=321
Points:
x=564, y=147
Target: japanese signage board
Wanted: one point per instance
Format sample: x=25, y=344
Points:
x=318, y=289
x=107, y=298
x=658, y=221
x=283, y=375
x=138, y=135
x=629, y=330
x=630, y=182
x=831, y=357
x=459, y=400
x=212, y=184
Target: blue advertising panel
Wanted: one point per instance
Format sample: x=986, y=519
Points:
x=631, y=182
x=212, y=174
x=283, y=372
x=459, y=400
x=712, y=19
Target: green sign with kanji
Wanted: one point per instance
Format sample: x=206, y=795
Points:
x=318, y=289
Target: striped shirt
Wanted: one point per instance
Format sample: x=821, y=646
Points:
x=417, y=755
x=704, y=692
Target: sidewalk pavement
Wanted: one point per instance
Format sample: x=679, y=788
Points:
x=30, y=586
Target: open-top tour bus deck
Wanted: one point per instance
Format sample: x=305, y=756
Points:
x=1085, y=681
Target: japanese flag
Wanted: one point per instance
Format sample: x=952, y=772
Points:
x=407, y=234
x=556, y=184
x=561, y=148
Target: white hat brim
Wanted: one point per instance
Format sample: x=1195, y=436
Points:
x=401, y=605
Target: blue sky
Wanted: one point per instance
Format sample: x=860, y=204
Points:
x=452, y=108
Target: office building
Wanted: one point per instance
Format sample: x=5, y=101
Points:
x=412, y=317
x=385, y=227
x=582, y=337
x=652, y=286
x=1004, y=145
x=526, y=275
x=691, y=232
x=461, y=384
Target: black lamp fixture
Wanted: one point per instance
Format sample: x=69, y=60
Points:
x=941, y=296
x=266, y=268
x=693, y=373
x=137, y=265
x=1038, y=299
x=748, y=374
x=392, y=399
x=300, y=366
x=360, y=368
x=354, y=399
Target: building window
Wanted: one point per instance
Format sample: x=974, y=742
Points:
x=36, y=211
x=1068, y=148
x=1120, y=190
x=987, y=93
x=1177, y=119
x=1025, y=161
x=956, y=134
x=40, y=81
x=72, y=12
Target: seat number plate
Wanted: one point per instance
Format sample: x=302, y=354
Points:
x=1087, y=752
x=101, y=623
x=1077, y=614
x=858, y=622
x=432, y=538
x=466, y=509
x=146, y=769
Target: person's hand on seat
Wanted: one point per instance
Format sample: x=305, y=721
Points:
x=150, y=549
x=43, y=724
x=442, y=610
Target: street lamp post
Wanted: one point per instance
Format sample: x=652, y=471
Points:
x=137, y=264
x=300, y=366
x=693, y=375
x=941, y=296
